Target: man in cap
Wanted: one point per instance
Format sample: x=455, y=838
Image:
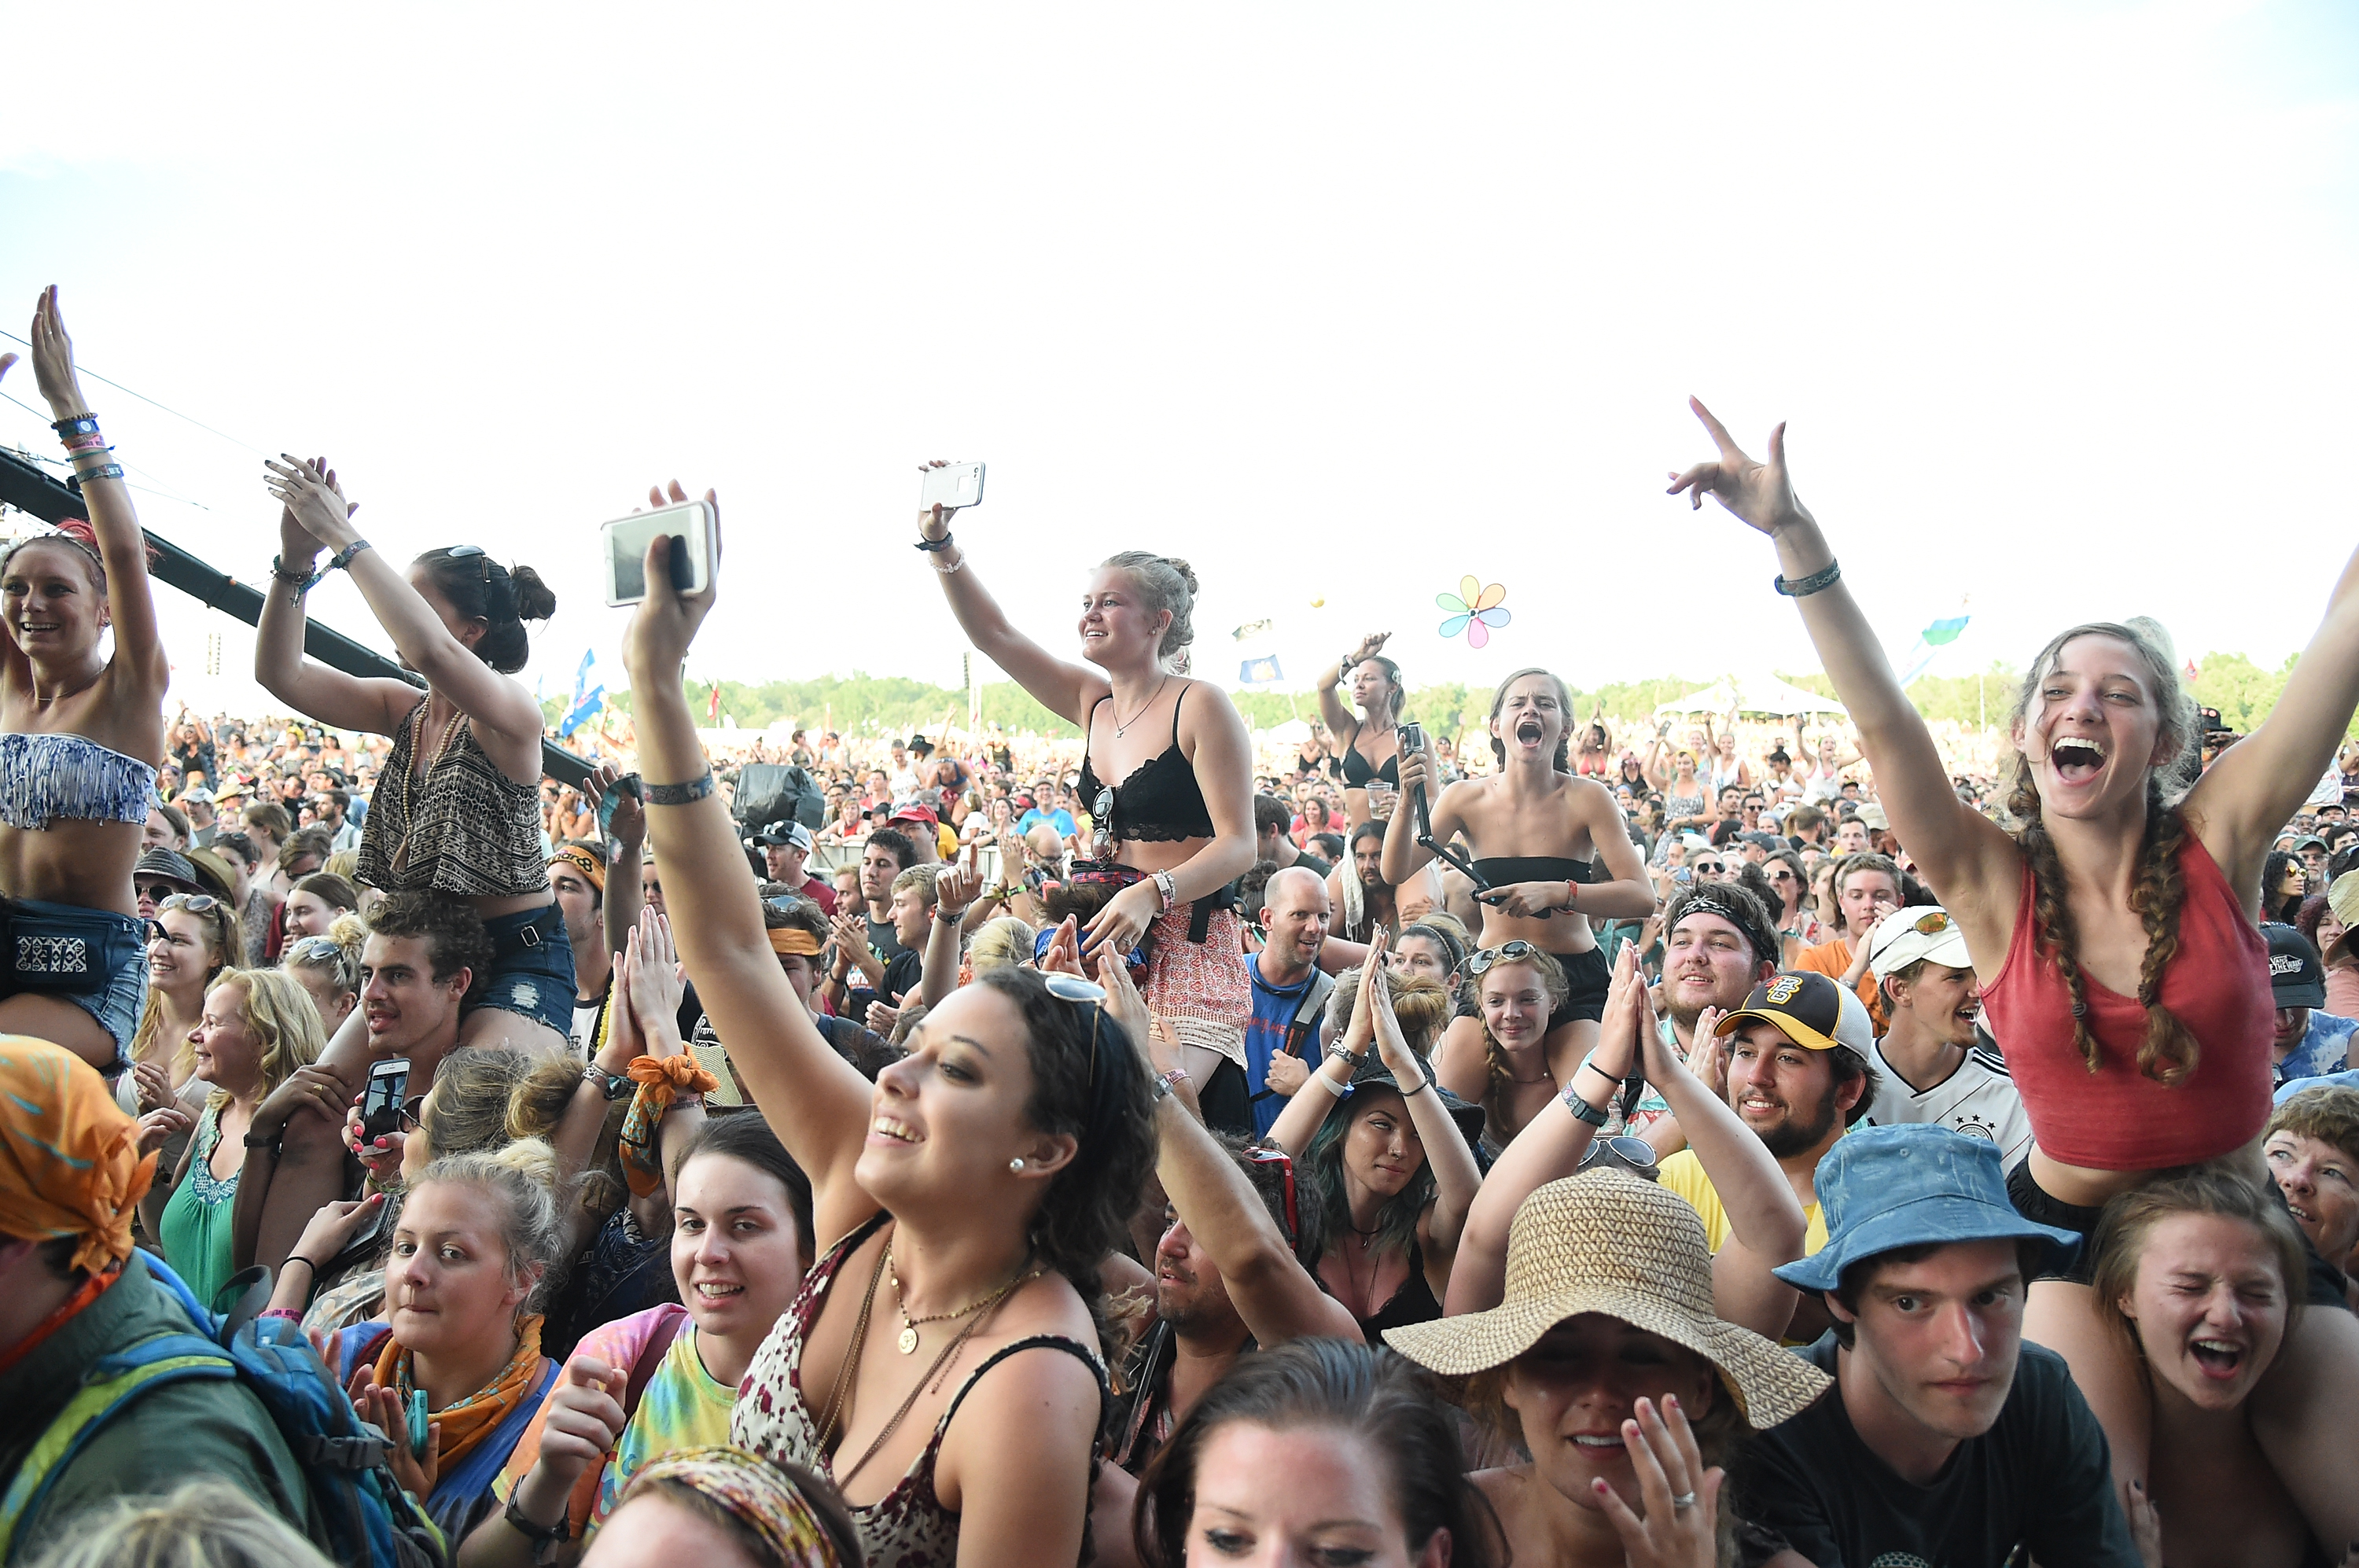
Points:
x=924, y=830
x=2312, y=851
x=75, y=1292
x=1946, y=1439
x=1797, y=1074
x=577, y=875
x=1935, y=1065
x=159, y=873
x=198, y=802
x=2309, y=1040
x=786, y=849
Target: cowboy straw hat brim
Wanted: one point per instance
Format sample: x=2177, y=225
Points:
x=1771, y=1384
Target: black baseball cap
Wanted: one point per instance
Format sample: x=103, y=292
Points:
x=2296, y=976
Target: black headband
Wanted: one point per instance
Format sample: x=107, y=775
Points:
x=1707, y=903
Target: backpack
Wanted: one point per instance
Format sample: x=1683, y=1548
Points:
x=366, y=1516
x=773, y=792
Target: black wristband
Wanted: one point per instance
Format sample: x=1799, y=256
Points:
x=1803, y=587
x=271, y=1143
x=931, y=546
x=539, y=1534
x=298, y=1257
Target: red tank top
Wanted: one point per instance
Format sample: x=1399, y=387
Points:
x=2119, y=1119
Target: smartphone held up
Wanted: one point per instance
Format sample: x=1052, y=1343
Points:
x=954, y=484
x=624, y=547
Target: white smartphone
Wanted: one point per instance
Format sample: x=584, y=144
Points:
x=624, y=543
x=960, y=485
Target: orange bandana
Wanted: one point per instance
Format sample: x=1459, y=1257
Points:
x=470, y=1420
x=70, y=1160
x=793, y=941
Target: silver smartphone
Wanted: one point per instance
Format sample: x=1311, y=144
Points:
x=959, y=484
x=624, y=544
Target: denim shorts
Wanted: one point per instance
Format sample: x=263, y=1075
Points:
x=532, y=968
x=117, y=1006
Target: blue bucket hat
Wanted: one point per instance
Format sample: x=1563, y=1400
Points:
x=1889, y=1187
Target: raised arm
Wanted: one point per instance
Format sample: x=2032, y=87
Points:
x=954, y=892
x=1305, y=1112
x=138, y=656
x=500, y=707
x=1403, y=857
x=625, y=893
x=1550, y=1145
x=816, y=1100
x=1455, y=1176
x=1765, y=1224
x=1656, y=765
x=1064, y=687
x=330, y=696
x=1970, y=858
x=1341, y=723
x=2246, y=797
x=1630, y=895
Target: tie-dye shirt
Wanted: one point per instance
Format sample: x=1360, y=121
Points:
x=681, y=1407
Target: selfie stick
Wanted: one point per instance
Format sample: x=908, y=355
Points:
x=1441, y=850
x=26, y=488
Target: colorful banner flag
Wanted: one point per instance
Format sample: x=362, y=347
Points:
x=1941, y=632
x=589, y=696
x=1252, y=629
x=1262, y=671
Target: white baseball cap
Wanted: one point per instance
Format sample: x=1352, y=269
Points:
x=1913, y=932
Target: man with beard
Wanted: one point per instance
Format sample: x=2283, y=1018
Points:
x=1935, y=1065
x=1798, y=1075
x=1226, y=1280
x=1358, y=896
x=1719, y=942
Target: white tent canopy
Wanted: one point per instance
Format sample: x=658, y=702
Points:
x=1750, y=694
x=1293, y=732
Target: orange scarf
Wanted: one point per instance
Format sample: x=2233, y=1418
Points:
x=661, y=1079
x=470, y=1420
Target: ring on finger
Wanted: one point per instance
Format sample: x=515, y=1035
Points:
x=1684, y=1501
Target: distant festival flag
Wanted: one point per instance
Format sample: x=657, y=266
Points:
x=712, y=709
x=1252, y=629
x=1262, y=671
x=1941, y=633
x=587, y=698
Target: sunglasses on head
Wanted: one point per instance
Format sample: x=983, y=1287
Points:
x=1931, y=923
x=1074, y=989
x=1285, y=1164
x=195, y=903
x=1621, y=1152
x=1480, y=961
x=313, y=949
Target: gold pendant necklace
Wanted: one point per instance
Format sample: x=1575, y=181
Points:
x=907, y=1341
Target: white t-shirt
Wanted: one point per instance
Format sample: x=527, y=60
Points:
x=1979, y=1099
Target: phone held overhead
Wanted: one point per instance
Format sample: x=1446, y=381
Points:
x=958, y=485
x=626, y=541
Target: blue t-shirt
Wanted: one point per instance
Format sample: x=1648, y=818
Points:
x=2325, y=1048
x=1060, y=819
x=1266, y=1033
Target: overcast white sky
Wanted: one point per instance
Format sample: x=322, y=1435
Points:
x=1342, y=302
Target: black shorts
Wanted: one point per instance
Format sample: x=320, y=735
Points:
x=2324, y=1287
x=1226, y=1103
x=1588, y=977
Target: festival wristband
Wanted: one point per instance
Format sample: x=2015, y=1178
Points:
x=686, y=794
x=1803, y=587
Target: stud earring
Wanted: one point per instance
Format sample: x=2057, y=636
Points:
x=1016, y=1165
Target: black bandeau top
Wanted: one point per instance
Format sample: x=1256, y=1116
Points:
x=1506, y=870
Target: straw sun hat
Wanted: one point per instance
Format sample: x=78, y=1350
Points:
x=1624, y=1248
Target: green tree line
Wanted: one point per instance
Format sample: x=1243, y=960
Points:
x=877, y=705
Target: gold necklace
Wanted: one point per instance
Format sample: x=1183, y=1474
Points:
x=908, y=1342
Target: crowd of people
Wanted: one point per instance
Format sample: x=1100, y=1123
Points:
x=1513, y=1147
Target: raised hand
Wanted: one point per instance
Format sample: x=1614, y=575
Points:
x=954, y=888
x=327, y=1233
x=656, y=985
x=629, y=822
x=161, y=1125
x=1370, y=645
x=934, y=521
x=313, y=501
x=414, y=1469
x=656, y=643
x=53, y=363
x=883, y=1016
x=1678, y=1496
x=1760, y=493
x=1063, y=955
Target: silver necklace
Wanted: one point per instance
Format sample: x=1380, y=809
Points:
x=1120, y=727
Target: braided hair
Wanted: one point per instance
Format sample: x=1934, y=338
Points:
x=2167, y=1054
